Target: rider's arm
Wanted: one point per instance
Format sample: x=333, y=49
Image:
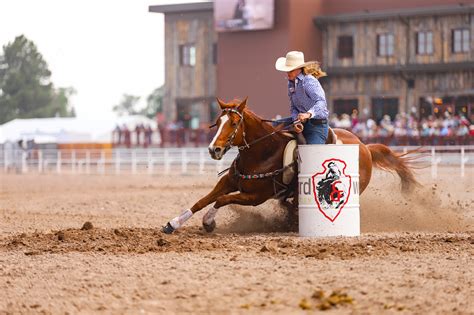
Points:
x=315, y=92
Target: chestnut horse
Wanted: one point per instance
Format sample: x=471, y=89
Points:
x=256, y=173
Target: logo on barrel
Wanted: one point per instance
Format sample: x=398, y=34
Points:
x=331, y=188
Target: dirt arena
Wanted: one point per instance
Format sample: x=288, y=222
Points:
x=415, y=255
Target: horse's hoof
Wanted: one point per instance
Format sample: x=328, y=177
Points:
x=209, y=227
x=167, y=229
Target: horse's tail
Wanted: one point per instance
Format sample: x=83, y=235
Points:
x=384, y=158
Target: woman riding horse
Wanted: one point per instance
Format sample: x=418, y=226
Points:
x=307, y=97
x=257, y=173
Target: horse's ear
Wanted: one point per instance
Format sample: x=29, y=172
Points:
x=221, y=103
x=242, y=105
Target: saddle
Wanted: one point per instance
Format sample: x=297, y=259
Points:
x=290, y=154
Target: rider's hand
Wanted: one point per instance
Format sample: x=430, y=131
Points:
x=299, y=127
x=304, y=116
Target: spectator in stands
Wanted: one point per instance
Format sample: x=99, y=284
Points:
x=126, y=136
x=117, y=135
x=360, y=129
x=386, y=127
x=405, y=129
x=354, y=118
x=139, y=130
x=148, y=133
x=462, y=130
x=400, y=126
x=371, y=128
x=345, y=122
x=334, y=121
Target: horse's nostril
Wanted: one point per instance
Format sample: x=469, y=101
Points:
x=217, y=150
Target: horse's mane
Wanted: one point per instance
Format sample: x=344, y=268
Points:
x=235, y=102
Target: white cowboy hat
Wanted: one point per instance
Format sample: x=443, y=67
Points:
x=294, y=60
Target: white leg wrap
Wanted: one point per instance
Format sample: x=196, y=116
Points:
x=177, y=222
x=209, y=216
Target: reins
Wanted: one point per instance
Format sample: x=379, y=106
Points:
x=231, y=138
x=278, y=129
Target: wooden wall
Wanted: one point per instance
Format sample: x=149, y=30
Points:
x=394, y=83
x=198, y=82
x=404, y=30
x=364, y=88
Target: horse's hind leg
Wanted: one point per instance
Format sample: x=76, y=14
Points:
x=291, y=208
x=224, y=186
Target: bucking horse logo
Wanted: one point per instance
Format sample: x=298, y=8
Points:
x=331, y=188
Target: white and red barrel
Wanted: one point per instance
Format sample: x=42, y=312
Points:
x=328, y=190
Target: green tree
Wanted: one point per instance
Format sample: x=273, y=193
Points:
x=154, y=103
x=61, y=104
x=25, y=87
x=127, y=105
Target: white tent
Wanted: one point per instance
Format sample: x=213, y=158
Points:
x=70, y=130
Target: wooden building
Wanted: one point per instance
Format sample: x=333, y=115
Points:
x=190, y=63
x=417, y=56
x=413, y=60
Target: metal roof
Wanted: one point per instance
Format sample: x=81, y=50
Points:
x=395, y=13
x=182, y=7
x=70, y=129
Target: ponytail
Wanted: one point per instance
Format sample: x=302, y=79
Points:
x=315, y=70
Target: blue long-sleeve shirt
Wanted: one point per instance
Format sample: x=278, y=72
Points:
x=307, y=96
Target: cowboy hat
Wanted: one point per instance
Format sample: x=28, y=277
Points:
x=293, y=60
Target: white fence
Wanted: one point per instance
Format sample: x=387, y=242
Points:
x=177, y=160
x=114, y=161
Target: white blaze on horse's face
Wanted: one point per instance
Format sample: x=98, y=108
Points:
x=217, y=152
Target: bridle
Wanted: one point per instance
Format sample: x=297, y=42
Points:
x=230, y=140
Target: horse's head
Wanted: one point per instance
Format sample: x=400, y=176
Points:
x=230, y=128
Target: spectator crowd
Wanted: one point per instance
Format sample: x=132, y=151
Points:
x=402, y=130
x=407, y=129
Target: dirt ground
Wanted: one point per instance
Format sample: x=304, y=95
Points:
x=415, y=255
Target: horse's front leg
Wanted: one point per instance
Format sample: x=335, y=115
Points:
x=208, y=221
x=224, y=186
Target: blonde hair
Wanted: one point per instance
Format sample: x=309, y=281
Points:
x=315, y=70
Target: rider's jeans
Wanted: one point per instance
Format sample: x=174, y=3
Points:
x=314, y=134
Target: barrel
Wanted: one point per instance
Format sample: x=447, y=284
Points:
x=328, y=190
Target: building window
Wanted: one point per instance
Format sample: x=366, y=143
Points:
x=346, y=106
x=187, y=55
x=214, y=53
x=385, y=43
x=424, y=43
x=426, y=108
x=384, y=106
x=461, y=41
x=345, y=46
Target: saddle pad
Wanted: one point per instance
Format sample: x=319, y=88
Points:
x=288, y=158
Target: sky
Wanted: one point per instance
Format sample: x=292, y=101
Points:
x=101, y=48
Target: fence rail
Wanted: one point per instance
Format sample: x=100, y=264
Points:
x=176, y=160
